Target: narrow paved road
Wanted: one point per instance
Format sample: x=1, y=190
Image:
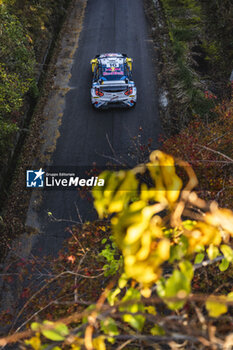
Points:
x=85, y=134
x=109, y=26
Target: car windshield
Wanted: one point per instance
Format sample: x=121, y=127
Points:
x=113, y=72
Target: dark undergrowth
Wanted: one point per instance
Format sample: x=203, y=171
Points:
x=28, y=29
x=194, y=57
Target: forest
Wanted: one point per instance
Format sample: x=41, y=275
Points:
x=154, y=270
x=27, y=28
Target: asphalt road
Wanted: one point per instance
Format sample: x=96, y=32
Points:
x=85, y=134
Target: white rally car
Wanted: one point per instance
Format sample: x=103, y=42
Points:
x=112, y=84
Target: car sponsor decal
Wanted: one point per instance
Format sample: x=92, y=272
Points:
x=114, y=73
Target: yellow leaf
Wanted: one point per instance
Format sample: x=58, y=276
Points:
x=99, y=343
x=151, y=310
x=162, y=170
x=220, y=217
x=215, y=309
x=34, y=342
x=75, y=347
x=146, y=293
x=163, y=249
x=203, y=234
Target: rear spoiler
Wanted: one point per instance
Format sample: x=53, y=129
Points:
x=94, y=63
x=129, y=61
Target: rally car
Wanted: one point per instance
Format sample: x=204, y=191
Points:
x=112, y=84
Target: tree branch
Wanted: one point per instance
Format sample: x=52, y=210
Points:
x=217, y=152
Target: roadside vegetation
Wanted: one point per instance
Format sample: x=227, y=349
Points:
x=195, y=52
x=207, y=146
x=26, y=29
x=154, y=271
x=194, y=55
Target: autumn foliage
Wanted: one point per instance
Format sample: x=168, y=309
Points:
x=26, y=29
x=207, y=146
x=162, y=234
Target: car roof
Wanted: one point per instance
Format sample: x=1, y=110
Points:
x=111, y=55
x=107, y=60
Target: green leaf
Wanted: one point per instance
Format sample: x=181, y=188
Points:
x=62, y=329
x=109, y=327
x=52, y=335
x=227, y=252
x=122, y=281
x=178, y=251
x=199, y=258
x=132, y=294
x=215, y=309
x=212, y=252
x=189, y=224
x=112, y=296
x=45, y=346
x=224, y=265
x=111, y=340
x=58, y=333
x=176, y=285
x=35, y=326
x=89, y=308
x=136, y=321
x=200, y=248
x=161, y=287
x=187, y=268
x=157, y=330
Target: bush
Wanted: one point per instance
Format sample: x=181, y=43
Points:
x=165, y=234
